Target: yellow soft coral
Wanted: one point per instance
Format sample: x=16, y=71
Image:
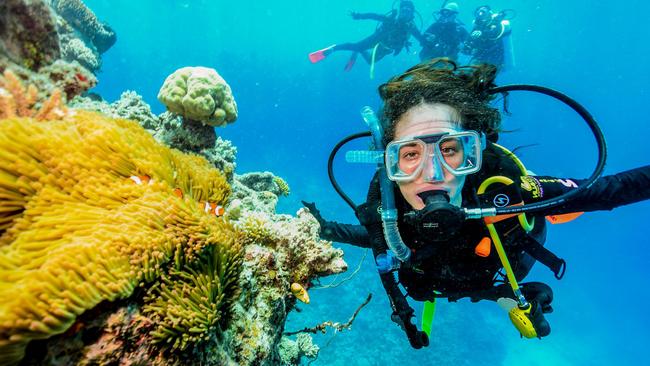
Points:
x=18, y=101
x=75, y=230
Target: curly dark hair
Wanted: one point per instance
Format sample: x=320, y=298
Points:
x=441, y=81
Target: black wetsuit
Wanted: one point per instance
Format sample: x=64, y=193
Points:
x=452, y=267
x=442, y=39
x=391, y=36
x=486, y=43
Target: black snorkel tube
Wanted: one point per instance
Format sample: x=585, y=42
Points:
x=553, y=202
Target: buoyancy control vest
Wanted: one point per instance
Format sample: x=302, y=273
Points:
x=451, y=267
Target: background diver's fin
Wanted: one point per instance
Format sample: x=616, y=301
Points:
x=319, y=55
x=351, y=61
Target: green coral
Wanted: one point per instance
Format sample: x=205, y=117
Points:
x=201, y=94
x=283, y=186
x=188, y=304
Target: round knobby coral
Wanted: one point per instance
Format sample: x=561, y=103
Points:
x=201, y=94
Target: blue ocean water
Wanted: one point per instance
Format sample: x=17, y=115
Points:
x=293, y=112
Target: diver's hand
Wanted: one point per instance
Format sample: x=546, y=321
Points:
x=476, y=34
x=416, y=338
x=311, y=206
x=355, y=15
x=536, y=316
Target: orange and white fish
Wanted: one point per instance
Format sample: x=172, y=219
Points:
x=178, y=192
x=213, y=209
x=141, y=179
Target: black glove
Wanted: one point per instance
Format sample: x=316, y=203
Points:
x=355, y=15
x=417, y=339
x=536, y=316
x=311, y=206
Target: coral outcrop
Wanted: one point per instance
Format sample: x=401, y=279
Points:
x=113, y=249
x=28, y=35
x=18, y=101
x=200, y=94
x=76, y=230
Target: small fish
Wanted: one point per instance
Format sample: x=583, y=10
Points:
x=141, y=179
x=299, y=292
x=213, y=209
x=178, y=192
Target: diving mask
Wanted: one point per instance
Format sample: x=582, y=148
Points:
x=457, y=152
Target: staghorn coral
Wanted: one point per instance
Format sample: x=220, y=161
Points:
x=75, y=231
x=18, y=101
x=200, y=94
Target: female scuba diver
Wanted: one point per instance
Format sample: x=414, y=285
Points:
x=466, y=220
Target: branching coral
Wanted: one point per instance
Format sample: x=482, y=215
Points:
x=75, y=230
x=18, y=101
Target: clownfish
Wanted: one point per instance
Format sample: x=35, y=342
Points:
x=141, y=179
x=213, y=208
x=178, y=192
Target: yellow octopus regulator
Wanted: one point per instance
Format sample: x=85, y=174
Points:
x=75, y=230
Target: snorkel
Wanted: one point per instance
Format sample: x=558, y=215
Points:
x=388, y=210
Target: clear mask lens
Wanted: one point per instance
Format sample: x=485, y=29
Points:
x=458, y=153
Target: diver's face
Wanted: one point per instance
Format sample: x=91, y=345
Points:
x=447, y=15
x=405, y=13
x=428, y=119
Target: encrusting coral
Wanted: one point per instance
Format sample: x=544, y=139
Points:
x=77, y=229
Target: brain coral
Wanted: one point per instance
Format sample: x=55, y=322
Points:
x=76, y=229
x=201, y=94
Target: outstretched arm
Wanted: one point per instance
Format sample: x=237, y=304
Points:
x=342, y=233
x=606, y=193
x=371, y=16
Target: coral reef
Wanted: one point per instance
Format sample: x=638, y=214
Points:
x=77, y=14
x=74, y=49
x=292, y=351
x=286, y=250
x=18, y=101
x=168, y=129
x=76, y=231
x=107, y=254
x=28, y=34
x=70, y=77
x=200, y=94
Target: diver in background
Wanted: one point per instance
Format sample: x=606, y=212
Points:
x=391, y=36
x=437, y=135
x=445, y=36
x=485, y=43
